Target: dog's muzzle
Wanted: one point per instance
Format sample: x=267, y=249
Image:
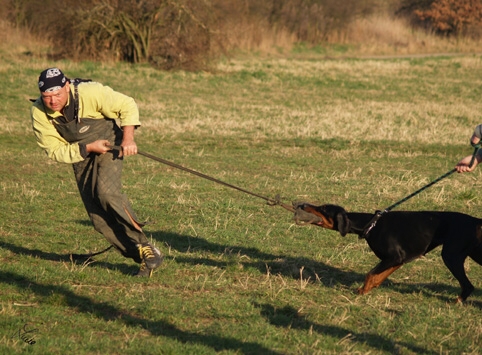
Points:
x=302, y=217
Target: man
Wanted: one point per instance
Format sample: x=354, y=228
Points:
x=463, y=165
x=74, y=121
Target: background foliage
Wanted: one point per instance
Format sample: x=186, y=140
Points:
x=453, y=17
x=189, y=34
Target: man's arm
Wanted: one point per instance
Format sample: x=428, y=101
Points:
x=129, y=146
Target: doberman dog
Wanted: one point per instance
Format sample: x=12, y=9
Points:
x=399, y=237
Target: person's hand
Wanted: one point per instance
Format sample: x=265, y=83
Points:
x=463, y=166
x=474, y=140
x=128, y=148
x=100, y=146
x=477, y=134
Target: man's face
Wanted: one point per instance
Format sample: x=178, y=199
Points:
x=56, y=100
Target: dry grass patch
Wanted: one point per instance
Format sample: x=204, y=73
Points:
x=422, y=122
x=386, y=35
x=299, y=99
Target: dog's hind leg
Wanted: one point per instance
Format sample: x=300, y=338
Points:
x=455, y=263
x=476, y=255
x=374, y=278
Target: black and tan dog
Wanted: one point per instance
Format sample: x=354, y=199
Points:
x=399, y=237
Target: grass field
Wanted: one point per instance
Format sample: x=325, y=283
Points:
x=239, y=276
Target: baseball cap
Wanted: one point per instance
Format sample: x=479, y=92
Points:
x=51, y=79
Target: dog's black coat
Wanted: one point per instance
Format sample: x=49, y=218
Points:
x=402, y=236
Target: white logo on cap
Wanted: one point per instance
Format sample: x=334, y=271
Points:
x=53, y=88
x=53, y=73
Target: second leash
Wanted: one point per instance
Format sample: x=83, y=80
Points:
x=379, y=214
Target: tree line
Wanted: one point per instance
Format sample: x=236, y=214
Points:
x=189, y=34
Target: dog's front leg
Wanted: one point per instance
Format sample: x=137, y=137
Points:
x=374, y=278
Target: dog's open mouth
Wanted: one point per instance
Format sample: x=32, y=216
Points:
x=302, y=217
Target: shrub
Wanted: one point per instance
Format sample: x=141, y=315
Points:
x=313, y=21
x=447, y=17
x=166, y=33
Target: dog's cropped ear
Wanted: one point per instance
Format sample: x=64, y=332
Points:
x=343, y=223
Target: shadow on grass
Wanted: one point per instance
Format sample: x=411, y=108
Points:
x=288, y=266
x=108, y=313
x=445, y=293
x=289, y=318
x=36, y=253
x=292, y=266
x=263, y=262
x=124, y=268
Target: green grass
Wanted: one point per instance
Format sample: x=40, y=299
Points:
x=239, y=276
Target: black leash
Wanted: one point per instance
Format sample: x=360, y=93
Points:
x=379, y=214
x=86, y=257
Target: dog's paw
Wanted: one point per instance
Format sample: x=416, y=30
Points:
x=360, y=291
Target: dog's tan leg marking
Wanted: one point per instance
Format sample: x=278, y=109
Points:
x=374, y=280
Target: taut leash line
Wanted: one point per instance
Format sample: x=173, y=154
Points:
x=270, y=201
x=447, y=174
x=378, y=214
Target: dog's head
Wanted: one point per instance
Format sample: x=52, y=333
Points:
x=327, y=216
